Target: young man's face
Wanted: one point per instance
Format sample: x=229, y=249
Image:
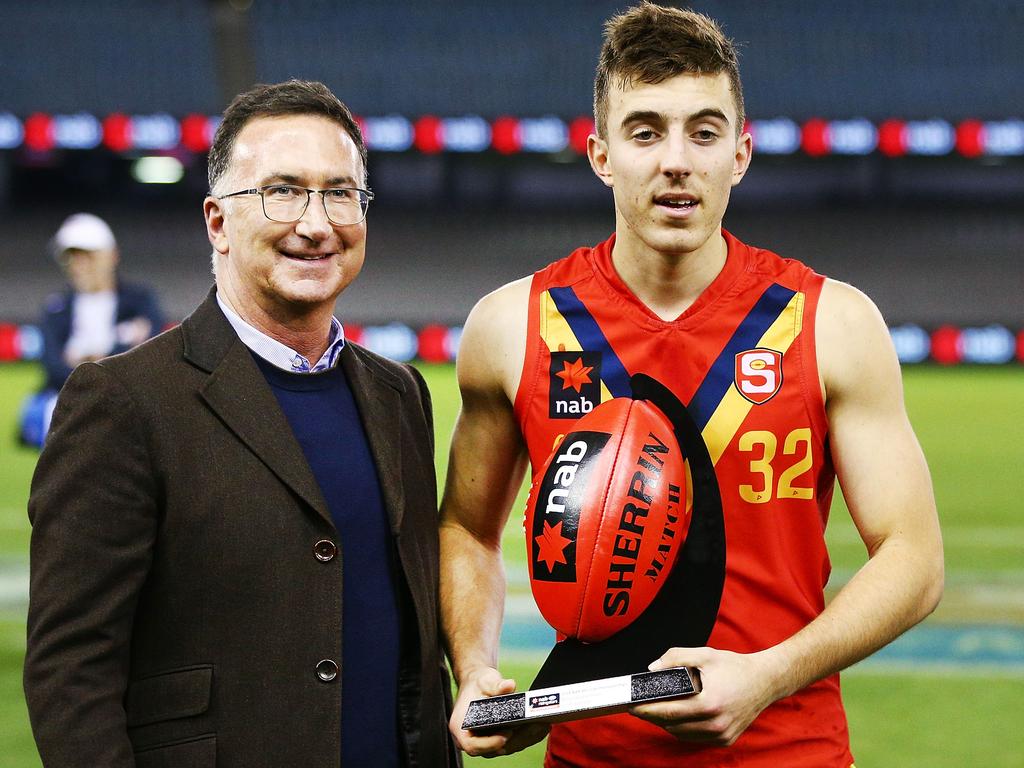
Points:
x=286, y=268
x=671, y=157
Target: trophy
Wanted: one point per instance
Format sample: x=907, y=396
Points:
x=632, y=588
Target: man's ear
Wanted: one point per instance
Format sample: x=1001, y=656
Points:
x=597, y=153
x=742, y=158
x=216, y=228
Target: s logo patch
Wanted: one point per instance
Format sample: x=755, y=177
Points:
x=758, y=374
x=575, y=384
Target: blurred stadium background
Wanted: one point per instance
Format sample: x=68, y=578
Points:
x=889, y=152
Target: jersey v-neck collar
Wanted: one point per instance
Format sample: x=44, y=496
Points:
x=724, y=285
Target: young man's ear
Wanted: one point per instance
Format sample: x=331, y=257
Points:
x=597, y=153
x=741, y=161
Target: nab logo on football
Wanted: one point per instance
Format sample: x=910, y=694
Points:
x=575, y=387
x=559, y=501
x=758, y=374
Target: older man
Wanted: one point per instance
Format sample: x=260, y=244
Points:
x=234, y=547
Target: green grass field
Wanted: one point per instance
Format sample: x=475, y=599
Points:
x=914, y=715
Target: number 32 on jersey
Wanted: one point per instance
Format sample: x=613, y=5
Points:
x=766, y=462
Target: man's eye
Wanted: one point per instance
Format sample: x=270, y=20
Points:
x=283, y=192
x=644, y=134
x=339, y=195
x=706, y=135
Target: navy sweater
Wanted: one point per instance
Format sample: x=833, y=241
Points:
x=322, y=414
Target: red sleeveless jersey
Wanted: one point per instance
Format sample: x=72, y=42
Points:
x=742, y=359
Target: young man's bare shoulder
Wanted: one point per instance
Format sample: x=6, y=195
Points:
x=494, y=338
x=501, y=305
x=845, y=314
x=852, y=340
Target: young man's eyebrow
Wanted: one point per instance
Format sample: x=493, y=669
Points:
x=712, y=112
x=651, y=116
x=642, y=116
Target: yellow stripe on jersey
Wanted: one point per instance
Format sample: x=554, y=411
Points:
x=557, y=334
x=733, y=409
x=554, y=329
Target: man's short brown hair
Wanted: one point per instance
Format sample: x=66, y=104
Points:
x=650, y=43
x=293, y=97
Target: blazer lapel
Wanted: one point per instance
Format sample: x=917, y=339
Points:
x=377, y=395
x=240, y=396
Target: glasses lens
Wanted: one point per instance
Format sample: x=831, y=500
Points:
x=345, y=206
x=284, y=202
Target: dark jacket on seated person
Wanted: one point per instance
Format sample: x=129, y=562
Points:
x=133, y=301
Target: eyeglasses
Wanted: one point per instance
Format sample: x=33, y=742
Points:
x=286, y=203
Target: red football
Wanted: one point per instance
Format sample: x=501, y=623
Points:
x=606, y=518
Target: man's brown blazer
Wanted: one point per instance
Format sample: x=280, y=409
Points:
x=182, y=612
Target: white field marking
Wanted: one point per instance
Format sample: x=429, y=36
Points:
x=535, y=658
x=13, y=588
x=869, y=667
x=520, y=604
x=994, y=536
x=518, y=579
x=960, y=578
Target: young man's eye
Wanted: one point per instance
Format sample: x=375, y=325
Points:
x=643, y=134
x=706, y=135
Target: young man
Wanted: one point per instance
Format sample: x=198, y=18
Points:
x=791, y=378
x=234, y=526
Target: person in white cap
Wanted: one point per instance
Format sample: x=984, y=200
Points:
x=98, y=314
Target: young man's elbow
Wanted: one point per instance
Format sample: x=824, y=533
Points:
x=934, y=587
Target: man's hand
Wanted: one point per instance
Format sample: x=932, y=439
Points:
x=736, y=688
x=483, y=682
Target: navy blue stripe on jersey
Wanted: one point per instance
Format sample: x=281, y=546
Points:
x=592, y=339
x=720, y=377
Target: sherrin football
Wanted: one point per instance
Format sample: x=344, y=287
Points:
x=606, y=519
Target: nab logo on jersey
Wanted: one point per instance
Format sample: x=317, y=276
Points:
x=575, y=387
x=758, y=374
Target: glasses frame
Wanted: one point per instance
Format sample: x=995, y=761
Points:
x=365, y=194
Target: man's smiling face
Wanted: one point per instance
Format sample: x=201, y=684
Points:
x=287, y=267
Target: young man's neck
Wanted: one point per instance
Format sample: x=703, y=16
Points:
x=667, y=283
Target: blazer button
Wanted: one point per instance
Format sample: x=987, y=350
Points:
x=326, y=670
x=325, y=550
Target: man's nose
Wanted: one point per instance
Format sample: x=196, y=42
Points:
x=676, y=161
x=314, y=223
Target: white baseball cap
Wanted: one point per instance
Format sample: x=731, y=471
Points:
x=85, y=232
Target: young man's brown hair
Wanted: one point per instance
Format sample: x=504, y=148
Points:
x=650, y=43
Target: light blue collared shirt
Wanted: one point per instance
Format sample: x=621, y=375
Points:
x=279, y=355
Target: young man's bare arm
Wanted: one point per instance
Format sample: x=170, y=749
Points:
x=887, y=487
x=485, y=470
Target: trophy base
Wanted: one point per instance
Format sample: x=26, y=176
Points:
x=575, y=701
